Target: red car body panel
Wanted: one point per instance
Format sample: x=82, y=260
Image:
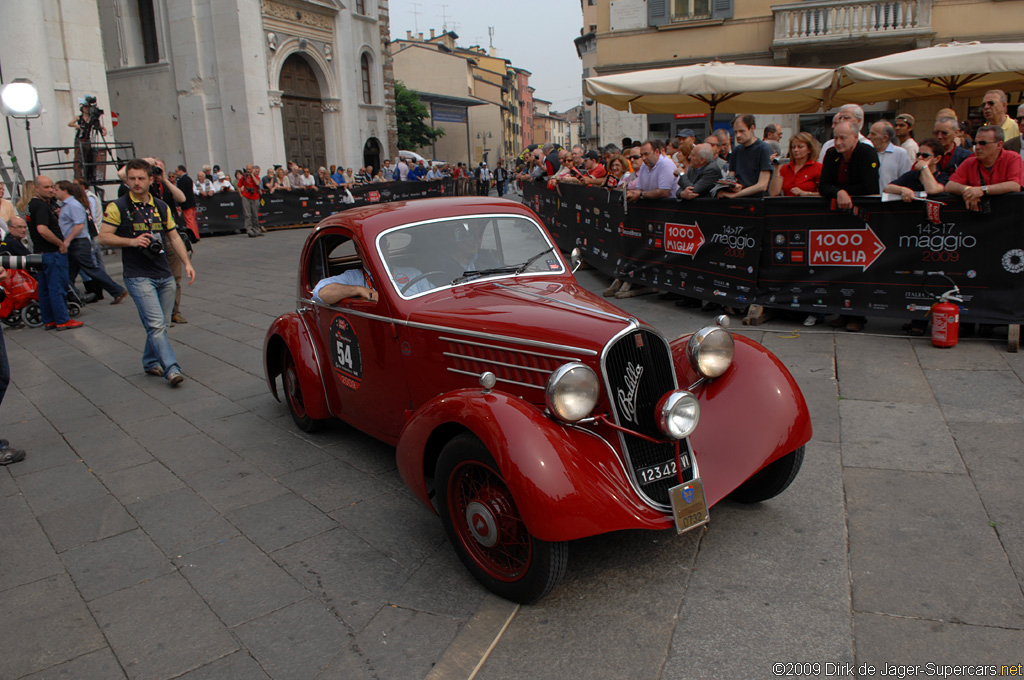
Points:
x=566, y=482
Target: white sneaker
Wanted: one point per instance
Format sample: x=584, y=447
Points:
x=811, y=320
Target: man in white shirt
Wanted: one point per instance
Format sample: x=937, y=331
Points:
x=904, y=126
x=893, y=161
x=222, y=184
x=203, y=186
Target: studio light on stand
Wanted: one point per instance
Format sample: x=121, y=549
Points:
x=20, y=99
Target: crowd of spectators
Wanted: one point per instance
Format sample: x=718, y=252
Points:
x=970, y=161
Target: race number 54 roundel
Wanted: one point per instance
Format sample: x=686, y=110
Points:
x=345, y=355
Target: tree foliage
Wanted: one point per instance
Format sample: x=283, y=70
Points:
x=413, y=131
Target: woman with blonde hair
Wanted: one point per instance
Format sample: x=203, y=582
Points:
x=28, y=192
x=800, y=176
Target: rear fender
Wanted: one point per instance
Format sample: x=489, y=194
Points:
x=567, y=483
x=289, y=331
x=751, y=416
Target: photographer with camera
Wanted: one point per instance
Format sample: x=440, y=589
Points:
x=143, y=227
x=87, y=124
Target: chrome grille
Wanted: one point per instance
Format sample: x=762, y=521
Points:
x=638, y=372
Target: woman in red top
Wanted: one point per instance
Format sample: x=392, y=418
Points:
x=800, y=176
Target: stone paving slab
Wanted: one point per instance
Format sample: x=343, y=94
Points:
x=196, y=533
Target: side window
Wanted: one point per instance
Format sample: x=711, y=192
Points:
x=332, y=255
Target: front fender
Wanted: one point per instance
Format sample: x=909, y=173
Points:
x=749, y=417
x=289, y=331
x=567, y=483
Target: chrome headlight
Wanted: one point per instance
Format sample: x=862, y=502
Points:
x=572, y=392
x=710, y=351
x=678, y=414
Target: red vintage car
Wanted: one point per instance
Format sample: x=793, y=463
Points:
x=526, y=411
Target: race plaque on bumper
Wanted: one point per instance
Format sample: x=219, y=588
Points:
x=688, y=505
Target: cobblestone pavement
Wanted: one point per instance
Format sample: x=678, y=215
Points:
x=195, y=533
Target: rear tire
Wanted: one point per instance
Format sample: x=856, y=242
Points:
x=771, y=481
x=74, y=309
x=293, y=394
x=486, y=529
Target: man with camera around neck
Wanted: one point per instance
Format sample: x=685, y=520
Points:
x=143, y=227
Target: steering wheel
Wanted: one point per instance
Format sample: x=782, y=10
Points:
x=417, y=279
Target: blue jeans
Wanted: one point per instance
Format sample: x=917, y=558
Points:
x=53, y=288
x=82, y=258
x=154, y=299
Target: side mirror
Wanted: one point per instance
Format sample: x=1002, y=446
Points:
x=575, y=259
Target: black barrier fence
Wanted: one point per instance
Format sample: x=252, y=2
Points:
x=222, y=213
x=798, y=253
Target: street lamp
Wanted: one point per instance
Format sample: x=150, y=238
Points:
x=20, y=99
x=483, y=137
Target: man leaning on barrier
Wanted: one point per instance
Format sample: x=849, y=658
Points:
x=992, y=170
x=656, y=176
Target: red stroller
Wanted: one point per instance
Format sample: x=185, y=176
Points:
x=21, y=304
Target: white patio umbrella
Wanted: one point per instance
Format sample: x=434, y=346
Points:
x=951, y=69
x=698, y=88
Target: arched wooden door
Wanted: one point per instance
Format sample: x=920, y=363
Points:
x=302, y=116
x=371, y=154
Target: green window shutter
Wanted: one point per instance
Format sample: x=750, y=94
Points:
x=657, y=12
x=721, y=9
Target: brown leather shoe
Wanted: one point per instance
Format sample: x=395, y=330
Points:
x=117, y=300
x=178, y=318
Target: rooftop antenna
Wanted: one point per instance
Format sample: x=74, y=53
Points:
x=416, y=17
x=490, y=33
x=444, y=18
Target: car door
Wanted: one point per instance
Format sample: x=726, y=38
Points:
x=358, y=343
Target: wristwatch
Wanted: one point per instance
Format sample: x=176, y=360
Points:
x=641, y=193
x=984, y=189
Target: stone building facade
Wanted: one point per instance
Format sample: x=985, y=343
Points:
x=224, y=82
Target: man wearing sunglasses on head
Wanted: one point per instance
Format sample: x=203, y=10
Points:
x=991, y=171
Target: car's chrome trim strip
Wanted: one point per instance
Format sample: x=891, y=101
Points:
x=458, y=331
x=574, y=305
x=509, y=349
x=503, y=380
x=496, y=363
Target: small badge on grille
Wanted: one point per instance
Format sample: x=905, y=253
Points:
x=639, y=340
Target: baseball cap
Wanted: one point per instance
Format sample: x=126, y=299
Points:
x=687, y=132
x=592, y=155
x=907, y=117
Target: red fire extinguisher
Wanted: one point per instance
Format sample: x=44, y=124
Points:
x=946, y=317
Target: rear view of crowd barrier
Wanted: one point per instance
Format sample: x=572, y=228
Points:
x=800, y=253
x=222, y=213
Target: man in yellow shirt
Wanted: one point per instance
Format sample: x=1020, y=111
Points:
x=993, y=107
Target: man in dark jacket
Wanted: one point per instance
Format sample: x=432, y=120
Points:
x=702, y=175
x=849, y=169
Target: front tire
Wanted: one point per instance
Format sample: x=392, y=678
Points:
x=293, y=394
x=31, y=315
x=770, y=481
x=484, y=525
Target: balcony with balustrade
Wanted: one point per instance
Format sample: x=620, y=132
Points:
x=837, y=24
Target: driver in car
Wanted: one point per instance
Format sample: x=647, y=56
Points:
x=464, y=253
x=358, y=283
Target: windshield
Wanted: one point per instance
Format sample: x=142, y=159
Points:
x=431, y=255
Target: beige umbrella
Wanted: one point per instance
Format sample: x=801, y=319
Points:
x=954, y=69
x=736, y=88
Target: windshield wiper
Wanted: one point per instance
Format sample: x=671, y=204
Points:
x=506, y=269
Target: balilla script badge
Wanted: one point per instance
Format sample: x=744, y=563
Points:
x=627, y=400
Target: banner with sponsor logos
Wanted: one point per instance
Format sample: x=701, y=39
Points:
x=222, y=214
x=800, y=253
